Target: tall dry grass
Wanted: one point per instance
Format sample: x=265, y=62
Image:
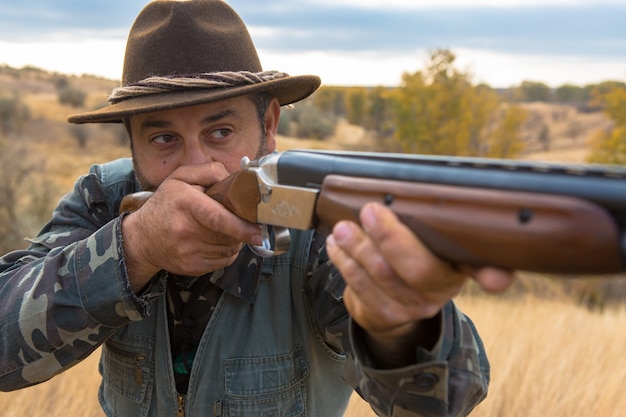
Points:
x=550, y=358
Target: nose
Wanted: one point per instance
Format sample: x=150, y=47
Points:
x=195, y=153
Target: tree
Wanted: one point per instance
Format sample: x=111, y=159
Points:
x=380, y=115
x=21, y=212
x=307, y=121
x=356, y=105
x=572, y=94
x=80, y=133
x=609, y=146
x=315, y=124
x=14, y=115
x=330, y=100
x=68, y=94
x=439, y=111
x=505, y=141
x=533, y=91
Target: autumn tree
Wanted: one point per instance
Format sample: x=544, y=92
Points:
x=505, y=139
x=356, y=105
x=609, y=146
x=330, y=100
x=307, y=121
x=439, y=111
x=380, y=116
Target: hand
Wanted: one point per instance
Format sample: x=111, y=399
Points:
x=182, y=230
x=394, y=283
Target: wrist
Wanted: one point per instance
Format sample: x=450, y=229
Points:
x=397, y=348
x=138, y=268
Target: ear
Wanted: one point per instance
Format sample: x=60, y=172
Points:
x=272, y=116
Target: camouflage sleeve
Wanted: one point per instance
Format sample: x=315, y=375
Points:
x=449, y=380
x=65, y=294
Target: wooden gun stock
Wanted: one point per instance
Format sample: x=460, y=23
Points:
x=239, y=193
x=134, y=201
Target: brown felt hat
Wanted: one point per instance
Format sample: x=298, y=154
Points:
x=192, y=38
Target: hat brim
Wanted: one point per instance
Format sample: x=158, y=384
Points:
x=286, y=90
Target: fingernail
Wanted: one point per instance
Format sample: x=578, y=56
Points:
x=342, y=232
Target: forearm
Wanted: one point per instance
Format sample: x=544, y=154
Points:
x=57, y=306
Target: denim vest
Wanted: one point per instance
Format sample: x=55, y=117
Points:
x=254, y=359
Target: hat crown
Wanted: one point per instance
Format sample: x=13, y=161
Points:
x=189, y=42
x=174, y=37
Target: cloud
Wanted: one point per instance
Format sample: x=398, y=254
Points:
x=39, y=20
x=347, y=37
x=551, y=30
x=561, y=27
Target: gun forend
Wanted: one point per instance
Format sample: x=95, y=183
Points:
x=507, y=229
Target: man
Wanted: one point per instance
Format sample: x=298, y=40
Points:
x=191, y=321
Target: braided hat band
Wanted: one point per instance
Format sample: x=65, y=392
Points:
x=158, y=85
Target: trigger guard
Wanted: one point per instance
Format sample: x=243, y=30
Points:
x=273, y=244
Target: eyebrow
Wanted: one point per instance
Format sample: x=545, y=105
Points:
x=219, y=116
x=163, y=124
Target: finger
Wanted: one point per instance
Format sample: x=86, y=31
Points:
x=408, y=256
x=394, y=239
x=203, y=175
x=360, y=254
x=224, y=225
x=364, y=294
x=491, y=280
x=373, y=284
x=200, y=265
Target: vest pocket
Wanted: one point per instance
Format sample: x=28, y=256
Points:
x=127, y=369
x=266, y=386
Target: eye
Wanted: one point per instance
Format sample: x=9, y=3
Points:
x=221, y=133
x=163, y=139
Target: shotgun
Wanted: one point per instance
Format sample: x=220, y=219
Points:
x=517, y=215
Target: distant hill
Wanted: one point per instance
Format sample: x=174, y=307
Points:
x=557, y=132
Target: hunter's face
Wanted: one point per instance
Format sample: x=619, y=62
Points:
x=222, y=132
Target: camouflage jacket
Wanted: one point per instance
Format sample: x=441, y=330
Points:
x=280, y=343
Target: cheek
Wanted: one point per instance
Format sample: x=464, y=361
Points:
x=232, y=166
x=155, y=170
x=252, y=149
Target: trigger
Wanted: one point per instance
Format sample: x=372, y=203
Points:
x=276, y=241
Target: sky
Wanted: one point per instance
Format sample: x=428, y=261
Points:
x=351, y=42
